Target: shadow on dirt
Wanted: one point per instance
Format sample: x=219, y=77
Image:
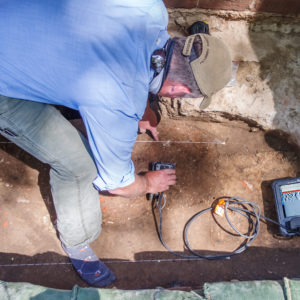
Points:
x=155, y=269
x=21, y=174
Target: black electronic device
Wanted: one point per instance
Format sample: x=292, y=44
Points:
x=287, y=201
x=156, y=166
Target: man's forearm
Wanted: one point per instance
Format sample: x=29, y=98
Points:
x=139, y=187
x=152, y=182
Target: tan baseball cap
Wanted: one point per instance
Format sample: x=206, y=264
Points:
x=212, y=68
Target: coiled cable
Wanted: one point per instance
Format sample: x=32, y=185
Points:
x=248, y=209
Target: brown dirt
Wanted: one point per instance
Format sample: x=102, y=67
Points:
x=244, y=166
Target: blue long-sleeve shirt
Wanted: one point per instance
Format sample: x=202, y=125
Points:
x=93, y=56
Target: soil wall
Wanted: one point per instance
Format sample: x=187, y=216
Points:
x=266, y=47
x=277, y=6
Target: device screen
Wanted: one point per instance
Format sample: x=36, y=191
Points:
x=290, y=194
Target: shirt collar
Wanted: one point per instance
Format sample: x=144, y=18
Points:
x=156, y=83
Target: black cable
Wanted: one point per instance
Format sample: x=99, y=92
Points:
x=156, y=203
x=233, y=204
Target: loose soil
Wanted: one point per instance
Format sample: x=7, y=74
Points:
x=212, y=160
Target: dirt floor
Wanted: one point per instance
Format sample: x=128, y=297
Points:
x=212, y=160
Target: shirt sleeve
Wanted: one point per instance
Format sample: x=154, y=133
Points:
x=111, y=135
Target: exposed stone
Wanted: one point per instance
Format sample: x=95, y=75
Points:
x=278, y=6
x=268, y=78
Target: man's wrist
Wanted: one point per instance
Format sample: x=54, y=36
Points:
x=138, y=187
x=146, y=183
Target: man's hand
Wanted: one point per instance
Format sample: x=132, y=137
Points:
x=160, y=181
x=149, y=122
x=146, y=125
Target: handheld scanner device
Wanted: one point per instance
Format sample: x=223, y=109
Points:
x=156, y=166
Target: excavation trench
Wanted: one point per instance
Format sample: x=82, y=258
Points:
x=247, y=138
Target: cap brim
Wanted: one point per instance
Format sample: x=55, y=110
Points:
x=212, y=70
x=205, y=102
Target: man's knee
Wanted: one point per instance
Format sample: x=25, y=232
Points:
x=79, y=167
x=75, y=236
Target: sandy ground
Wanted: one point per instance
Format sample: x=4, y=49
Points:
x=212, y=160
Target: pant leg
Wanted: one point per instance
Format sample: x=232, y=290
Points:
x=41, y=130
